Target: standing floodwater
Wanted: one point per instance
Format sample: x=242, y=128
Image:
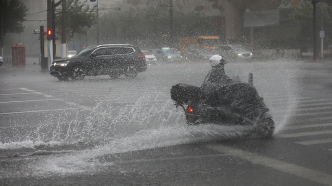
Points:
x=98, y=116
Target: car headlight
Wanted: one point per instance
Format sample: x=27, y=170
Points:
x=69, y=56
x=239, y=54
x=62, y=64
x=169, y=57
x=251, y=54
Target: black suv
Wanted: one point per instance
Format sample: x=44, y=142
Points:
x=109, y=59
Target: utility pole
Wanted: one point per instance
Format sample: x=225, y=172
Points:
x=171, y=21
x=98, y=23
x=49, y=33
x=2, y=32
x=64, y=31
x=41, y=35
x=322, y=33
x=53, y=28
x=314, y=2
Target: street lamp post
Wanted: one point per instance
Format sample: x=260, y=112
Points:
x=171, y=21
x=322, y=34
x=314, y=45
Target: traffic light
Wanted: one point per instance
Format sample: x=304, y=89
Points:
x=49, y=34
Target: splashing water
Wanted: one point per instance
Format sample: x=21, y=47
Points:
x=111, y=128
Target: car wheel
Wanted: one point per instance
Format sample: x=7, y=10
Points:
x=77, y=73
x=62, y=78
x=131, y=72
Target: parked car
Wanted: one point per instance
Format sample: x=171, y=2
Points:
x=1, y=61
x=235, y=52
x=71, y=53
x=201, y=54
x=109, y=59
x=171, y=55
x=149, y=57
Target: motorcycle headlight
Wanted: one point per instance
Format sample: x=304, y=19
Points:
x=169, y=57
x=239, y=54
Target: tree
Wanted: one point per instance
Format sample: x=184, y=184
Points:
x=79, y=17
x=151, y=26
x=13, y=12
x=303, y=16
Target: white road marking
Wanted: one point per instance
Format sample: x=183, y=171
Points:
x=49, y=96
x=301, y=134
x=34, y=111
x=313, y=142
x=308, y=126
x=55, y=99
x=15, y=94
x=315, y=176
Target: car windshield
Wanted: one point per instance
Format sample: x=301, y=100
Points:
x=147, y=52
x=172, y=51
x=239, y=49
x=207, y=52
x=85, y=52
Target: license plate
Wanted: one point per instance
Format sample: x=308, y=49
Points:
x=52, y=70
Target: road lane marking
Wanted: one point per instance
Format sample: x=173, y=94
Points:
x=15, y=94
x=55, y=99
x=296, y=120
x=308, y=126
x=23, y=112
x=10, y=89
x=314, y=142
x=25, y=89
x=316, y=176
x=301, y=134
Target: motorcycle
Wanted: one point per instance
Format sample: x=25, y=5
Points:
x=233, y=103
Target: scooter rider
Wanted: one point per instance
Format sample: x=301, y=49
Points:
x=216, y=77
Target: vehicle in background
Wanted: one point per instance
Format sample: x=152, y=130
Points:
x=234, y=52
x=200, y=54
x=171, y=55
x=71, y=53
x=150, y=58
x=109, y=59
x=188, y=44
x=1, y=61
x=158, y=53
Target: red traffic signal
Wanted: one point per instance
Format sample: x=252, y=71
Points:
x=49, y=34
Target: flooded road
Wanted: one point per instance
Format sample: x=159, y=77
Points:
x=99, y=126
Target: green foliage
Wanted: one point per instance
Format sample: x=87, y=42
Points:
x=152, y=25
x=14, y=12
x=79, y=17
x=303, y=14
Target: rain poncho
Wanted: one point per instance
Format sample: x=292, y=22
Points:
x=223, y=98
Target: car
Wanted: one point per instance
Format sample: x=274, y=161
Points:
x=149, y=57
x=71, y=53
x=1, y=61
x=108, y=59
x=171, y=55
x=235, y=52
x=201, y=54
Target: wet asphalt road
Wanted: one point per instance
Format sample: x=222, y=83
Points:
x=100, y=131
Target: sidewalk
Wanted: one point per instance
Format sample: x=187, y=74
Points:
x=31, y=65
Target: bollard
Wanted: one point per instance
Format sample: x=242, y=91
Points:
x=250, y=79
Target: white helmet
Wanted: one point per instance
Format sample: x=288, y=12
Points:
x=217, y=59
